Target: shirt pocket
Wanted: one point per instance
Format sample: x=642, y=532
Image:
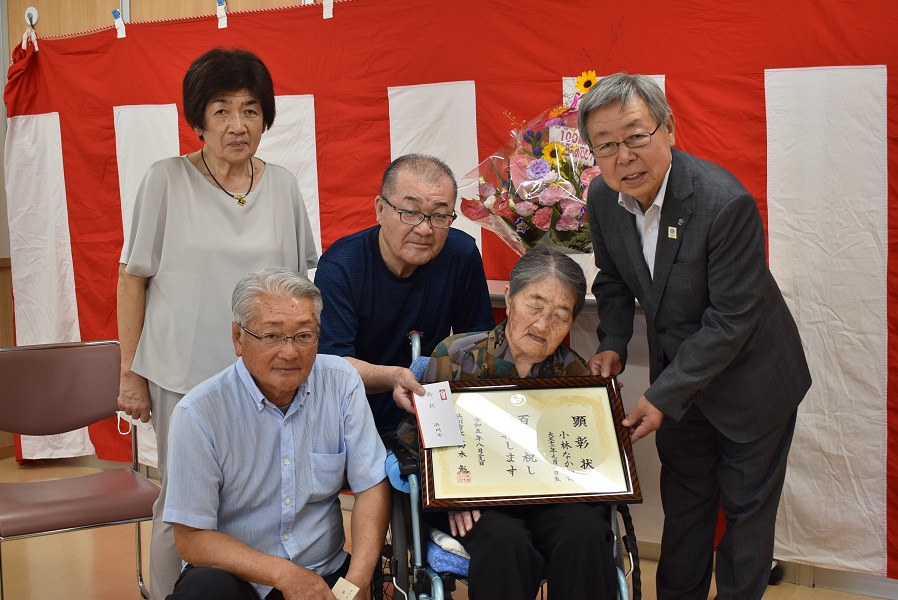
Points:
x=328, y=475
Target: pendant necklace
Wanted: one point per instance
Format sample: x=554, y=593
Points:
x=240, y=198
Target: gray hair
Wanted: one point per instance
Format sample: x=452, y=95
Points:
x=542, y=262
x=273, y=281
x=620, y=88
x=429, y=169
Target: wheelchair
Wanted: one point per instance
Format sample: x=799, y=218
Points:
x=405, y=571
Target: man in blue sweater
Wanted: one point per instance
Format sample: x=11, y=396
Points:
x=411, y=272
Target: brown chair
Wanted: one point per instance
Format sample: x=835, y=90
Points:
x=54, y=389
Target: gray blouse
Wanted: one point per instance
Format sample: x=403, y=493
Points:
x=195, y=243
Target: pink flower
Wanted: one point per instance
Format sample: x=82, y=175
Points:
x=473, y=209
x=552, y=195
x=525, y=209
x=572, y=207
x=588, y=175
x=517, y=166
x=543, y=218
x=568, y=187
x=566, y=223
x=502, y=209
x=486, y=190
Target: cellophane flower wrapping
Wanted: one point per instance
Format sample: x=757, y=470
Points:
x=533, y=190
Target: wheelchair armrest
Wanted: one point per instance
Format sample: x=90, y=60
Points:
x=408, y=464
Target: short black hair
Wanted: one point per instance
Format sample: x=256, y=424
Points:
x=428, y=168
x=220, y=70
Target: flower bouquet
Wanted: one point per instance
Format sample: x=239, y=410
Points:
x=533, y=190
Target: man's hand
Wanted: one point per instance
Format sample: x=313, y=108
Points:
x=364, y=592
x=606, y=364
x=643, y=420
x=297, y=583
x=405, y=385
x=462, y=521
x=134, y=396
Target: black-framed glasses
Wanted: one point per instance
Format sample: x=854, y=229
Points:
x=279, y=340
x=637, y=140
x=416, y=217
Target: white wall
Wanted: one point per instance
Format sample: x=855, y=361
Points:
x=4, y=221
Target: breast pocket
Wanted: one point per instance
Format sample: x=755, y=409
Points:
x=328, y=475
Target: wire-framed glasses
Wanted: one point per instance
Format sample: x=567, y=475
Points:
x=279, y=340
x=415, y=217
x=637, y=140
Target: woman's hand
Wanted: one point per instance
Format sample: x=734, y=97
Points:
x=461, y=522
x=131, y=300
x=134, y=396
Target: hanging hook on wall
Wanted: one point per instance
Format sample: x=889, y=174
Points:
x=30, y=35
x=31, y=16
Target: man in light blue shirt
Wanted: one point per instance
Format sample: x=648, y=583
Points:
x=259, y=452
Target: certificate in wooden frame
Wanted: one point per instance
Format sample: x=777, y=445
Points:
x=532, y=441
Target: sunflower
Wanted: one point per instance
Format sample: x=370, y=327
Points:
x=586, y=80
x=554, y=152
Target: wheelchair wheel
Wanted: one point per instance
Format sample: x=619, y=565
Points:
x=392, y=576
x=399, y=539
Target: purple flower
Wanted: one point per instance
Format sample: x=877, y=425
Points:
x=520, y=225
x=536, y=138
x=538, y=169
x=525, y=209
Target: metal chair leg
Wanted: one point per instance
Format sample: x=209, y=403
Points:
x=144, y=593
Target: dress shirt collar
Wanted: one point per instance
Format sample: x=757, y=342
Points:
x=632, y=204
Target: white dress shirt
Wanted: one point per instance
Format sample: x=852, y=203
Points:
x=647, y=223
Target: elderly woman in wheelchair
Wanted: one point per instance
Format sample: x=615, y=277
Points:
x=513, y=548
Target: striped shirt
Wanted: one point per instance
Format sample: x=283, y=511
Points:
x=240, y=466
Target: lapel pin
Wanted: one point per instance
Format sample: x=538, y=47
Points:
x=672, y=233
x=681, y=222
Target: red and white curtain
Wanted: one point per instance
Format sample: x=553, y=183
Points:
x=798, y=99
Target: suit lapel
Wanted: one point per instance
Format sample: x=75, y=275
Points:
x=634, y=252
x=675, y=217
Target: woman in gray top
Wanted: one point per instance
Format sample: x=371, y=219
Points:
x=200, y=222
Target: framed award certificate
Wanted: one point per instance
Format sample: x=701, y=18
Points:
x=529, y=441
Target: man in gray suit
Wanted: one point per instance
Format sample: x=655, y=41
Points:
x=684, y=238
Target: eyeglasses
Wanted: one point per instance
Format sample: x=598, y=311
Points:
x=279, y=340
x=637, y=140
x=416, y=217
